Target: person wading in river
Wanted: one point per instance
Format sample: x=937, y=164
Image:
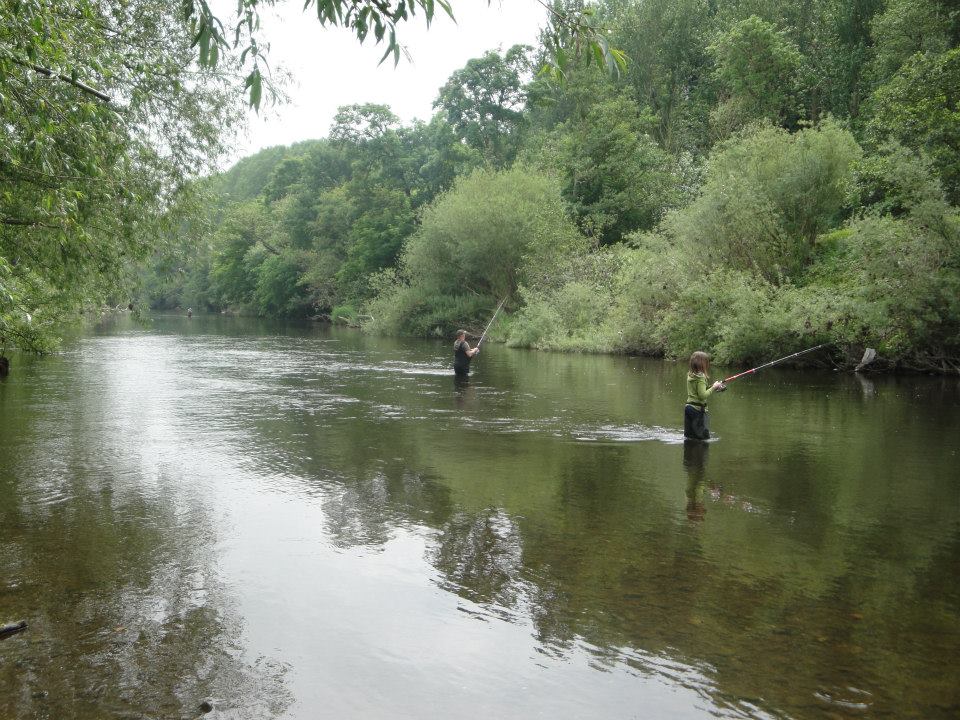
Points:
x=696, y=422
x=462, y=354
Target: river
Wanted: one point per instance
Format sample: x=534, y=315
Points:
x=290, y=521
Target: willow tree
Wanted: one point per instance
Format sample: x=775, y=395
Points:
x=104, y=114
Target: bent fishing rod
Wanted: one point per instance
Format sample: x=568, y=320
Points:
x=751, y=371
x=495, y=313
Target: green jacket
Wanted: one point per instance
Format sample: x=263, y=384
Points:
x=697, y=389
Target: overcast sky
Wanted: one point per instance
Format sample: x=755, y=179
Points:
x=330, y=68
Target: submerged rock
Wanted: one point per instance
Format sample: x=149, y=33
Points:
x=12, y=628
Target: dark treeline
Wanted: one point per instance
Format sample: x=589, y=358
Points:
x=764, y=176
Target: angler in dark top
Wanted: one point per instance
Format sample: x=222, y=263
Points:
x=462, y=354
x=696, y=422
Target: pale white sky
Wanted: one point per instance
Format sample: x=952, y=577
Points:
x=330, y=68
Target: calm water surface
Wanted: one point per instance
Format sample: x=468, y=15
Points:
x=295, y=522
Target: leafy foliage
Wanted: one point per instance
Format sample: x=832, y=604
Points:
x=760, y=177
x=483, y=103
x=761, y=69
x=919, y=108
x=767, y=196
x=102, y=117
x=474, y=247
x=617, y=179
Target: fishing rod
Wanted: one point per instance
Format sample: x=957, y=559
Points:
x=751, y=371
x=495, y=312
x=869, y=355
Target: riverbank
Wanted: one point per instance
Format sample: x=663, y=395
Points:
x=843, y=357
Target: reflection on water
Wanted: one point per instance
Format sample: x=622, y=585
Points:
x=295, y=522
x=694, y=462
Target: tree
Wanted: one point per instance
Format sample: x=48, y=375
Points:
x=103, y=115
x=617, y=179
x=669, y=67
x=240, y=249
x=483, y=102
x=472, y=247
x=768, y=195
x=444, y=157
x=363, y=123
x=384, y=220
x=907, y=27
x=279, y=292
x=761, y=70
x=919, y=108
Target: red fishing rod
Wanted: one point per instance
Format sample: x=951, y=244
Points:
x=751, y=371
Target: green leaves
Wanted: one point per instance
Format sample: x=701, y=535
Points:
x=360, y=16
x=254, y=85
x=918, y=107
x=575, y=37
x=617, y=179
x=483, y=102
x=761, y=68
x=87, y=185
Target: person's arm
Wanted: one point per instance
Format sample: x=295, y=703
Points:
x=471, y=353
x=703, y=392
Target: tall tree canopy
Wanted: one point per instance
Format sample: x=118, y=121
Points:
x=484, y=100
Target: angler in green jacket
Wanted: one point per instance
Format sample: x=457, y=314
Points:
x=696, y=422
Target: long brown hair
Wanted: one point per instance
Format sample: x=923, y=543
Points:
x=700, y=362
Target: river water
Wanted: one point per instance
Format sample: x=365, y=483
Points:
x=299, y=522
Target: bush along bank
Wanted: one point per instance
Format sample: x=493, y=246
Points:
x=795, y=240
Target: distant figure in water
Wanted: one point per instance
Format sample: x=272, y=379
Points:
x=696, y=422
x=189, y=312
x=462, y=354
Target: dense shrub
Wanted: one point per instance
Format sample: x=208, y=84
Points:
x=475, y=246
x=767, y=197
x=569, y=308
x=404, y=308
x=717, y=273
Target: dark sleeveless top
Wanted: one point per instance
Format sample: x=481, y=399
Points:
x=461, y=361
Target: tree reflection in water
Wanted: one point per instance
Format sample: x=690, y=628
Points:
x=825, y=574
x=127, y=615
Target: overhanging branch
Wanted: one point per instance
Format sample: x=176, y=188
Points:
x=64, y=78
x=27, y=223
